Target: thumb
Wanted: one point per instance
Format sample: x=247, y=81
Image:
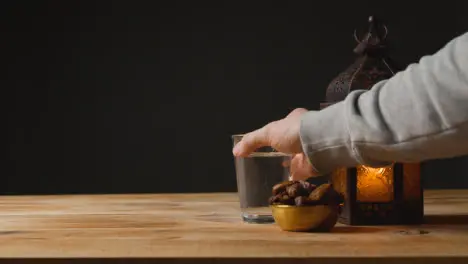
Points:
x=251, y=141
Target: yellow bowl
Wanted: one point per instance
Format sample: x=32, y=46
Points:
x=311, y=218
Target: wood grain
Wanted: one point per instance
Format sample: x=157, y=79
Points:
x=208, y=226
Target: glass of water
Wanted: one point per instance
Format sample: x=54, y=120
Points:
x=256, y=175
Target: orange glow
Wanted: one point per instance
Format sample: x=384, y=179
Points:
x=374, y=184
x=338, y=179
x=412, y=181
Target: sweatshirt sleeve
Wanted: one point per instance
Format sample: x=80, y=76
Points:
x=421, y=113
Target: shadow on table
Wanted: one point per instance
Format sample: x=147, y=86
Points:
x=455, y=221
x=357, y=229
x=446, y=219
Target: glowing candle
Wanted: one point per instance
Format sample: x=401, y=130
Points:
x=374, y=184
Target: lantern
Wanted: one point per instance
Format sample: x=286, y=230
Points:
x=374, y=196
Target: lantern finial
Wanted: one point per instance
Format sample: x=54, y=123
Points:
x=371, y=66
x=373, y=40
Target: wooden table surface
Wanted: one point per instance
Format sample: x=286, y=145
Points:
x=207, y=228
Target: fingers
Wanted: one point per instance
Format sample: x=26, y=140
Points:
x=262, y=138
x=300, y=168
x=252, y=141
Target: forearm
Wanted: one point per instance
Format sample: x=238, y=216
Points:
x=419, y=114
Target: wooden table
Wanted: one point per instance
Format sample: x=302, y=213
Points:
x=206, y=228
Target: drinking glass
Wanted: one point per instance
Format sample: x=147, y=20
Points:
x=256, y=175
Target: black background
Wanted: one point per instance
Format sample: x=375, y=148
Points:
x=142, y=96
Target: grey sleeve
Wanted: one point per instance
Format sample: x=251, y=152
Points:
x=421, y=113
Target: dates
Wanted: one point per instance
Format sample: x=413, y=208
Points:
x=281, y=187
x=282, y=198
x=307, y=186
x=325, y=194
x=302, y=193
x=304, y=200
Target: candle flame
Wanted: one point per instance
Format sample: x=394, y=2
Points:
x=374, y=184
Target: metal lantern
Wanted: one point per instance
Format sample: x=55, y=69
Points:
x=374, y=196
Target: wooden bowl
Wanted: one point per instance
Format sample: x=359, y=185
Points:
x=307, y=218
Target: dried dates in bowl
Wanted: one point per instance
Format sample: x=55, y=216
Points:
x=303, y=193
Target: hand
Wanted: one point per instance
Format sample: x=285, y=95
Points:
x=300, y=168
x=282, y=135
